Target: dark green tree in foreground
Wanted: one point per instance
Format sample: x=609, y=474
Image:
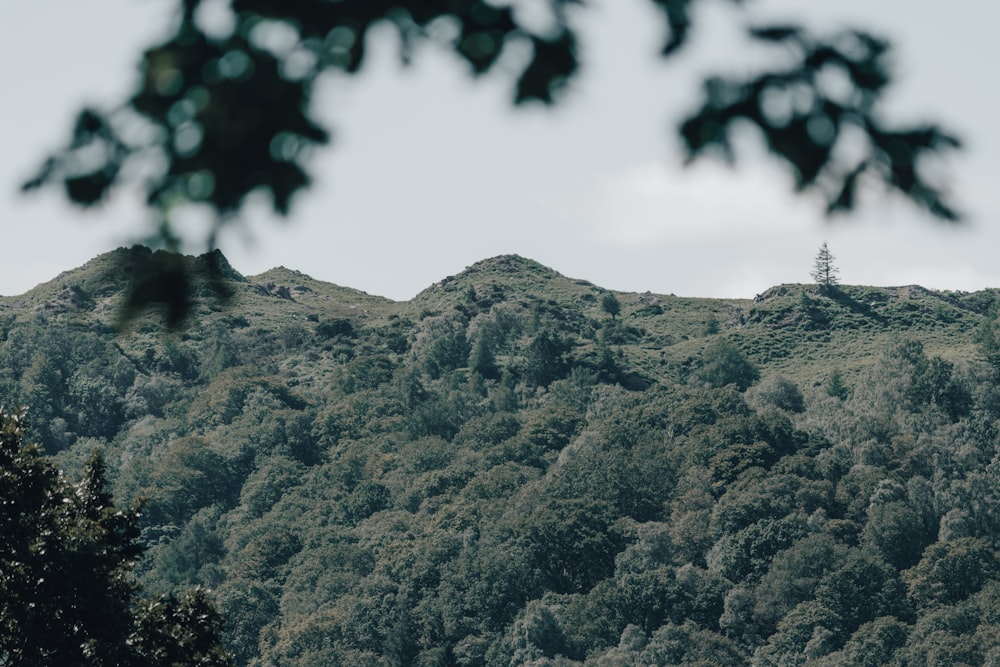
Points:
x=825, y=272
x=67, y=596
x=231, y=111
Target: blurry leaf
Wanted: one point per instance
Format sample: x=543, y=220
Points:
x=807, y=140
x=678, y=14
x=89, y=189
x=88, y=123
x=844, y=199
x=553, y=63
x=777, y=33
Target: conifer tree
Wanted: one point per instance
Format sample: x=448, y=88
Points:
x=825, y=272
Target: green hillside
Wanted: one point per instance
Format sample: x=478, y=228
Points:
x=520, y=468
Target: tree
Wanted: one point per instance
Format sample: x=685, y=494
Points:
x=725, y=364
x=482, y=358
x=66, y=591
x=229, y=113
x=573, y=543
x=545, y=359
x=952, y=570
x=611, y=305
x=835, y=386
x=780, y=392
x=863, y=588
x=824, y=270
x=875, y=642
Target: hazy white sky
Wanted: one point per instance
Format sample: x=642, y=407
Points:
x=430, y=171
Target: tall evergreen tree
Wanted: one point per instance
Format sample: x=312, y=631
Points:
x=825, y=272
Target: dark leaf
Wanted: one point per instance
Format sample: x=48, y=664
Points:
x=777, y=33
x=88, y=123
x=844, y=200
x=554, y=62
x=88, y=189
x=678, y=14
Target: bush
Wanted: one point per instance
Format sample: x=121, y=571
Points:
x=724, y=364
x=779, y=392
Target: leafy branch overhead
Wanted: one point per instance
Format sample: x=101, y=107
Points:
x=812, y=121
x=224, y=116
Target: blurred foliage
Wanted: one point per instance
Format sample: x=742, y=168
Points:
x=224, y=107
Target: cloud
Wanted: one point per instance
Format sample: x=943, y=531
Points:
x=654, y=203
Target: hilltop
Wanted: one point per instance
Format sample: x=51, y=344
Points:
x=794, y=329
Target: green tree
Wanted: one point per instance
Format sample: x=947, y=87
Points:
x=777, y=391
x=863, y=588
x=897, y=532
x=825, y=272
x=482, y=358
x=806, y=621
x=573, y=543
x=443, y=344
x=875, y=642
x=725, y=364
x=66, y=591
x=185, y=630
x=835, y=386
x=951, y=571
x=611, y=305
x=545, y=359
x=688, y=644
x=793, y=577
x=188, y=476
x=535, y=634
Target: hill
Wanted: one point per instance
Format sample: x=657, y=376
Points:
x=518, y=467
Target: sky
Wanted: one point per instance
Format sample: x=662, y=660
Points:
x=431, y=171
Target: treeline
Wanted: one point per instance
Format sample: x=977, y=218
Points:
x=494, y=480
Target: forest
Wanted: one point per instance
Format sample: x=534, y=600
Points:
x=520, y=468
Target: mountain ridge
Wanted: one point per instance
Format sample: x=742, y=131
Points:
x=943, y=319
x=511, y=264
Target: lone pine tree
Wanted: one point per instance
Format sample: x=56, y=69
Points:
x=825, y=272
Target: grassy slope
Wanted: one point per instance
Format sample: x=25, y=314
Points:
x=795, y=330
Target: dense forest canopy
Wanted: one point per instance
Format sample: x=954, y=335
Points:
x=519, y=468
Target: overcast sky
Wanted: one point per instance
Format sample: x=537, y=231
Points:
x=430, y=171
